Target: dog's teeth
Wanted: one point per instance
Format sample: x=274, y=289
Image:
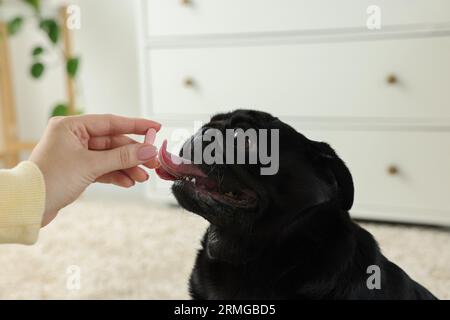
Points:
x=193, y=180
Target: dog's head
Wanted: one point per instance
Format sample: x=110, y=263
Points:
x=229, y=193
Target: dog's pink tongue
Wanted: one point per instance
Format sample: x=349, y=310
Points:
x=175, y=168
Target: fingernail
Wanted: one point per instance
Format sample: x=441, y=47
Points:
x=147, y=152
x=153, y=164
x=150, y=136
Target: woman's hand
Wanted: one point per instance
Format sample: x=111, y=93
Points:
x=77, y=151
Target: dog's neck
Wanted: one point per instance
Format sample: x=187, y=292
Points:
x=237, y=248
x=231, y=247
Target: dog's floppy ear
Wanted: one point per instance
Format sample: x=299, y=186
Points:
x=340, y=171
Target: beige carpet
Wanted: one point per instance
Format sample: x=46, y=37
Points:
x=134, y=250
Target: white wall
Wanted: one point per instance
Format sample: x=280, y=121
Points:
x=107, y=42
x=109, y=75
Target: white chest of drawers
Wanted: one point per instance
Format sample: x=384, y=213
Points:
x=381, y=98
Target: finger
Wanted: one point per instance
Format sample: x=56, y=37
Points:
x=104, y=125
x=109, y=142
x=137, y=174
x=123, y=157
x=118, y=178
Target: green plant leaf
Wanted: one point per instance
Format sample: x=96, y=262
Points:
x=15, y=25
x=36, y=4
x=51, y=27
x=37, y=51
x=37, y=69
x=60, y=109
x=72, y=66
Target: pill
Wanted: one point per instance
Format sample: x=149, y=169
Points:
x=150, y=136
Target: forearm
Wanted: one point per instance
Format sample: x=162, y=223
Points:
x=22, y=202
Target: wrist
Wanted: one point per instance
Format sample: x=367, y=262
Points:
x=48, y=208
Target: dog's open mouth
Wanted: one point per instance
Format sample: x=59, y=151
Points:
x=199, y=184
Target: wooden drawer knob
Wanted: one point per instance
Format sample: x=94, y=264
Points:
x=392, y=170
x=392, y=79
x=188, y=82
x=186, y=2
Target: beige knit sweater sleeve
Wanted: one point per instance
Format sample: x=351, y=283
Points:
x=22, y=201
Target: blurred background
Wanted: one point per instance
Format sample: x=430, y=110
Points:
x=369, y=77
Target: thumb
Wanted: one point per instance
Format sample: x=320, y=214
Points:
x=123, y=157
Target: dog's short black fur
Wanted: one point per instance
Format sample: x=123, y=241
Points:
x=296, y=239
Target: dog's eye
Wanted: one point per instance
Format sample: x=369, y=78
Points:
x=249, y=142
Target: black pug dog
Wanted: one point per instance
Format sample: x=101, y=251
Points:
x=282, y=236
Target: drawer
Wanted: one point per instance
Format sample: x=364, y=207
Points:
x=310, y=80
x=406, y=170
x=188, y=17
